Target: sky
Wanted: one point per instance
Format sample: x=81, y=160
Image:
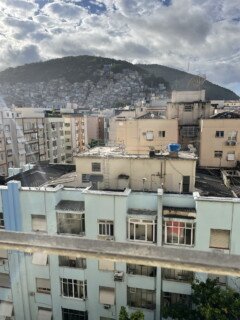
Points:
x=199, y=36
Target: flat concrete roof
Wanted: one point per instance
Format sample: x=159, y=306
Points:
x=117, y=152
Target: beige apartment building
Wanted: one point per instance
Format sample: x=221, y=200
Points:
x=147, y=132
x=75, y=133
x=220, y=140
x=189, y=107
x=110, y=168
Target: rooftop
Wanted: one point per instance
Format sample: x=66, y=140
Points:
x=209, y=183
x=226, y=115
x=42, y=174
x=118, y=152
x=70, y=205
x=152, y=115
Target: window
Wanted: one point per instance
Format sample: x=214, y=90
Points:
x=44, y=313
x=71, y=223
x=1, y=221
x=43, y=285
x=179, y=232
x=218, y=154
x=39, y=223
x=221, y=280
x=161, y=134
x=5, y=280
x=170, y=298
x=219, y=238
x=185, y=184
x=107, y=295
x=73, y=288
x=69, y=314
x=142, y=230
x=71, y=262
x=6, y=128
x=177, y=275
x=106, y=265
x=96, y=166
x=105, y=228
x=85, y=178
x=188, y=108
x=141, y=298
x=232, y=135
x=141, y=270
x=40, y=258
x=149, y=135
x=219, y=134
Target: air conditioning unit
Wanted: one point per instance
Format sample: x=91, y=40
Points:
x=32, y=294
x=118, y=276
x=106, y=306
x=231, y=142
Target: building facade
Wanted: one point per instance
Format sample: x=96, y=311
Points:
x=41, y=286
x=220, y=141
x=143, y=134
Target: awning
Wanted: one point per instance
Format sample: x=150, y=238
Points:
x=6, y=309
x=107, y=295
x=39, y=258
x=44, y=314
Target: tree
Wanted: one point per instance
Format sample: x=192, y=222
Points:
x=123, y=315
x=137, y=315
x=209, y=302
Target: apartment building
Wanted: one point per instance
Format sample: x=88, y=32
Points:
x=75, y=132
x=95, y=129
x=111, y=168
x=41, y=286
x=219, y=140
x=143, y=134
x=189, y=107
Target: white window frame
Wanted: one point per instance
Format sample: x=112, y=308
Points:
x=106, y=228
x=219, y=134
x=182, y=228
x=146, y=223
x=149, y=135
x=76, y=287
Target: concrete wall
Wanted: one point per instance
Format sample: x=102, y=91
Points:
x=144, y=173
x=131, y=134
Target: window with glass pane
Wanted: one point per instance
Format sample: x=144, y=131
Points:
x=105, y=228
x=177, y=275
x=69, y=314
x=170, y=298
x=141, y=298
x=71, y=262
x=73, y=288
x=71, y=223
x=1, y=221
x=179, y=232
x=142, y=230
x=141, y=270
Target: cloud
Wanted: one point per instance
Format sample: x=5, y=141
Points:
x=204, y=33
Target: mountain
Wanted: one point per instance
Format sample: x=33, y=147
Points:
x=96, y=81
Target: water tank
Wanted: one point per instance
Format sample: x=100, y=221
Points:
x=174, y=147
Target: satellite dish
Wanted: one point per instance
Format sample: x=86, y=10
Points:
x=152, y=115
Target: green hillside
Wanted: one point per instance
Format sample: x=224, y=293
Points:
x=82, y=68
